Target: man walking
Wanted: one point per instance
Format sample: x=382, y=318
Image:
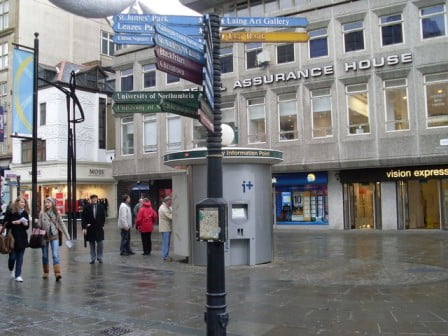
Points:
x=125, y=225
x=93, y=218
x=166, y=226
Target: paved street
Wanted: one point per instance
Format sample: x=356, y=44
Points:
x=320, y=283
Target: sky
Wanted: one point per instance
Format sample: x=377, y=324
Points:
x=168, y=7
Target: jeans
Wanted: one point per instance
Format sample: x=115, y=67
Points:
x=54, y=251
x=96, y=250
x=146, y=242
x=16, y=257
x=125, y=244
x=166, y=237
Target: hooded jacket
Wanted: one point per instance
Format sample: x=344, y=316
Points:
x=146, y=218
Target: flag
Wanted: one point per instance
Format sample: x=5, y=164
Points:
x=22, y=104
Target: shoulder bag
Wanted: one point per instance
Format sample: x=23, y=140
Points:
x=6, y=241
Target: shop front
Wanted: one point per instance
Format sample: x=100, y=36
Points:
x=396, y=198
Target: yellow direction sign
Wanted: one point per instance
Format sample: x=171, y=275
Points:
x=248, y=37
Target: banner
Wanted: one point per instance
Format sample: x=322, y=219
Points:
x=2, y=124
x=22, y=104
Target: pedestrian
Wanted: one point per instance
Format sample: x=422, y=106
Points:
x=144, y=223
x=51, y=221
x=17, y=220
x=93, y=218
x=137, y=207
x=125, y=225
x=166, y=226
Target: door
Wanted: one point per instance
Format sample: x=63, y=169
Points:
x=362, y=206
x=444, y=204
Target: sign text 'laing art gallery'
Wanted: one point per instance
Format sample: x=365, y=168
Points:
x=327, y=70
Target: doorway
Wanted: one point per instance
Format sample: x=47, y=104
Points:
x=363, y=210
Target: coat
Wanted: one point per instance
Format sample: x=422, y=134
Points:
x=45, y=223
x=165, y=218
x=124, y=216
x=146, y=218
x=19, y=232
x=95, y=232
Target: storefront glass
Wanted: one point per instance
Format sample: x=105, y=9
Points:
x=363, y=211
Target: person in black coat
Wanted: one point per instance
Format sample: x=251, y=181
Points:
x=17, y=220
x=93, y=218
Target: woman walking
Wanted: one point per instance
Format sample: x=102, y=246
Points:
x=146, y=218
x=17, y=220
x=51, y=221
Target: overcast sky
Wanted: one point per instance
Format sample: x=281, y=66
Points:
x=169, y=7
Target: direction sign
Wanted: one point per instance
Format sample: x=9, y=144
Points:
x=175, y=70
x=247, y=21
x=134, y=39
x=205, y=107
x=205, y=121
x=179, y=37
x=183, y=110
x=153, y=18
x=247, y=37
x=179, y=48
x=190, y=98
x=136, y=28
x=174, y=58
x=136, y=108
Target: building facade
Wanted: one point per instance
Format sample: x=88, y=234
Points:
x=360, y=112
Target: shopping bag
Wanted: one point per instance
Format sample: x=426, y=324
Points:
x=37, y=238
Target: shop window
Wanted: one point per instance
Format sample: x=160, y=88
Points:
x=396, y=98
x=287, y=115
x=27, y=151
x=391, y=29
x=285, y=53
x=228, y=117
x=318, y=43
x=102, y=123
x=174, y=127
x=127, y=136
x=4, y=14
x=226, y=57
x=252, y=50
x=170, y=79
x=149, y=133
x=436, y=94
x=127, y=80
x=42, y=114
x=321, y=113
x=257, y=120
x=149, y=76
x=358, y=109
x=353, y=36
x=433, y=21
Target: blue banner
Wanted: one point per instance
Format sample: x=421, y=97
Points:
x=2, y=124
x=22, y=105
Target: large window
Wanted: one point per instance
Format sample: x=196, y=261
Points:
x=174, y=126
x=287, y=115
x=321, y=113
x=318, y=43
x=433, y=21
x=107, y=44
x=396, y=98
x=226, y=57
x=149, y=76
x=391, y=29
x=358, y=109
x=149, y=133
x=172, y=79
x=27, y=150
x=436, y=89
x=3, y=56
x=127, y=80
x=257, y=123
x=252, y=50
x=353, y=36
x=127, y=136
x=102, y=123
x=285, y=53
x=4, y=14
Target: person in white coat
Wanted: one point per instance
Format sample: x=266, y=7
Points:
x=125, y=225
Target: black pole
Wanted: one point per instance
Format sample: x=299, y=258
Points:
x=216, y=316
x=69, y=170
x=74, y=201
x=34, y=213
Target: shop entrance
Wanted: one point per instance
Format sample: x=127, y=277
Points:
x=363, y=210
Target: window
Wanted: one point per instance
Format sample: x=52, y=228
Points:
x=321, y=113
x=287, y=115
x=127, y=136
x=199, y=134
x=396, y=98
x=318, y=43
x=102, y=123
x=171, y=79
x=149, y=76
x=4, y=14
x=358, y=109
x=127, y=80
x=436, y=89
x=242, y=8
x=27, y=150
x=252, y=50
x=174, y=126
x=108, y=46
x=256, y=8
x=353, y=36
x=433, y=21
x=228, y=117
x=391, y=29
x=226, y=57
x=285, y=53
x=43, y=114
x=257, y=123
x=150, y=133
x=270, y=6
x=3, y=56
x=286, y=4
x=4, y=94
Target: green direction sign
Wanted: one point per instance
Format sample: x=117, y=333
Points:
x=136, y=108
x=183, y=110
x=187, y=98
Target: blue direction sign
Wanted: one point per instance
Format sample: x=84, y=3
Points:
x=247, y=21
x=182, y=20
x=134, y=39
x=181, y=38
x=196, y=31
x=208, y=83
x=179, y=48
x=136, y=28
x=209, y=95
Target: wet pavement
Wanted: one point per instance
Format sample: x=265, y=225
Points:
x=320, y=283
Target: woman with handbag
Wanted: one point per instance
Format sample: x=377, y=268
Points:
x=17, y=220
x=51, y=221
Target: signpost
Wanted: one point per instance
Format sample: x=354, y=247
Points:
x=247, y=37
x=279, y=22
x=173, y=58
x=179, y=48
x=134, y=39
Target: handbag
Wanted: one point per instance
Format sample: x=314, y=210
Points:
x=37, y=238
x=6, y=241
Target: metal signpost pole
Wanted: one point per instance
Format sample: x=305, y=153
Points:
x=34, y=213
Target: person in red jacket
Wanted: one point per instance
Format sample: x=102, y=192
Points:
x=146, y=218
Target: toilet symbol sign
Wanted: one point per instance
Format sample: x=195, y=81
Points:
x=247, y=185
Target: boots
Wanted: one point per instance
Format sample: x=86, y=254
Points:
x=46, y=269
x=57, y=272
